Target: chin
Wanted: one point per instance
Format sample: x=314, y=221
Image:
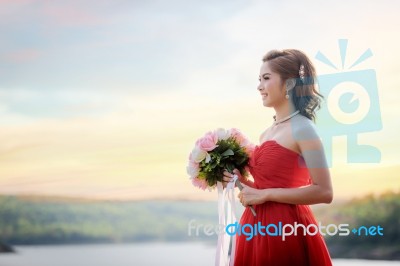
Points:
x=267, y=104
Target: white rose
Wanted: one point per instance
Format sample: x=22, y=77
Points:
x=193, y=169
x=198, y=155
x=222, y=134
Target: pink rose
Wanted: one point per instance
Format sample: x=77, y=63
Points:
x=249, y=147
x=208, y=142
x=200, y=183
x=238, y=135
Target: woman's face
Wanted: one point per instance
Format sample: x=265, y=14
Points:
x=270, y=87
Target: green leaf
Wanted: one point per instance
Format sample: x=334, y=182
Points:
x=228, y=152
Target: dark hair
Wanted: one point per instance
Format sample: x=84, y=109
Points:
x=287, y=64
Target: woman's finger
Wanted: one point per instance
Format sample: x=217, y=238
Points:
x=226, y=179
x=242, y=201
x=226, y=173
x=237, y=172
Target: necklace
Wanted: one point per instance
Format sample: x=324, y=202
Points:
x=285, y=118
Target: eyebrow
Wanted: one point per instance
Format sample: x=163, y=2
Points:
x=265, y=74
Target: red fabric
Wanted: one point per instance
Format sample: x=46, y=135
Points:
x=274, y=166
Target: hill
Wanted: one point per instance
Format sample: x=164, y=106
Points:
x=41, y=220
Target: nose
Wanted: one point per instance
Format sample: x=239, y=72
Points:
x=259, y=87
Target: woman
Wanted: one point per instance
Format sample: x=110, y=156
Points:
x=288, y=167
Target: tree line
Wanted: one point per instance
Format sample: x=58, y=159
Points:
x=40, y=220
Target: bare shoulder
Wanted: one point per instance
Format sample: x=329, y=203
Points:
x=309, y=143
x=303, y=129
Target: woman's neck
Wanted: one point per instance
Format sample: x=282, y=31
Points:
x=284, y=110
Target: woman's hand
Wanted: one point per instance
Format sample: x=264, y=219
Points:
x=228, y=177
x=252, y=196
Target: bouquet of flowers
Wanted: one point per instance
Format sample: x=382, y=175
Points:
x=216, y=152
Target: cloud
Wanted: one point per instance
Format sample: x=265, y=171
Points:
x=54, y=13
x=71, y=16
x=22, y=56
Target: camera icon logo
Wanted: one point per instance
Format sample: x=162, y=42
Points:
x=351, y=107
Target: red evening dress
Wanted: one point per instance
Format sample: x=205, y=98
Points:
x=274, y=166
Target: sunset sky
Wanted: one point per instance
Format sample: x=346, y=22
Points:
x=105, y=99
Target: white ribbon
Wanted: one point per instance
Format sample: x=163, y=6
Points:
x=222, y=254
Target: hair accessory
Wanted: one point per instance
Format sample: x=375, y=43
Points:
x=301, y=72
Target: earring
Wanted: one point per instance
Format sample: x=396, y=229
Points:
x=287, y=94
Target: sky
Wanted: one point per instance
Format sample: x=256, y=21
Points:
x=105, y=99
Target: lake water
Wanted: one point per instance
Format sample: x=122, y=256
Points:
x=166, y=254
